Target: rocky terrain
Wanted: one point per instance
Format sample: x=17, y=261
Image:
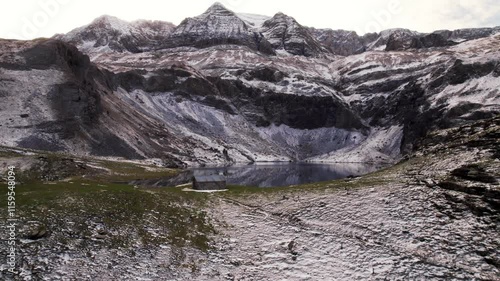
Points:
x=86, y=114
x=225, y=87
x=433, y=216
x=110, y=34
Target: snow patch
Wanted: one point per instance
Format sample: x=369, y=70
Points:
x=254, y=21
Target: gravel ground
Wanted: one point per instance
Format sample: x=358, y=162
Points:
x=396, y=232
x=434, y=217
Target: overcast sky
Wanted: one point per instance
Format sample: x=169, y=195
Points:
x=29, y=19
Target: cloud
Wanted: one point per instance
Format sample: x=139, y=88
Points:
x=478, y=13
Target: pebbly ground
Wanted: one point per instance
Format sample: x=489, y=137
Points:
x=433, y=217
x=397, y=232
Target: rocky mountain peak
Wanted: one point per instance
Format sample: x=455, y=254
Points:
x=217, y=26
x=339, y=42
x=397, y=32
x=107, y=21
x=282, y=18
x=217, y=19
x=398, y=39
x=108, y=33
x=100, y=27
x=285, y=33
x=218, y=9
x=346, y=43
x=234, y=96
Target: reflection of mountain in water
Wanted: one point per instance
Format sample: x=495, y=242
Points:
x=271, y=175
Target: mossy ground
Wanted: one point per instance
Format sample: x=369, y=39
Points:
x=155, y=215
x=70, y=208
x=125, y=171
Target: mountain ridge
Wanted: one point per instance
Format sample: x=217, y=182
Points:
x=205, y=100
x=336, y=42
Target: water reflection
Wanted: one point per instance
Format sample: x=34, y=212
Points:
x=270, y=174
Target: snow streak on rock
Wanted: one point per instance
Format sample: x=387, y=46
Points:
x=224, y=87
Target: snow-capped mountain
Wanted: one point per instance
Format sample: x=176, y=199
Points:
x=217, y=26
x=346, y=43
x=280, y=33
x=285, y=33
x=108, y=33
x=225, y=87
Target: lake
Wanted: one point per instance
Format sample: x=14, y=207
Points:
x=270, y=174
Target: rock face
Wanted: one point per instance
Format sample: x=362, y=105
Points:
x=346, y=43
x=340, y=42
x=217, y=26
x=225, y=87
x=437, y=39
x=108, y=33
x=220, y=26
x=66, y=106
x=460, y=35
x=285, y=33
x=401, y=40
x=434, y=217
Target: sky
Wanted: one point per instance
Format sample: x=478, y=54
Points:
x=30, y=19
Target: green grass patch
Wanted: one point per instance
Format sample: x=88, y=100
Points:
x=53, y=166
x=71, y=210
x=9, y=154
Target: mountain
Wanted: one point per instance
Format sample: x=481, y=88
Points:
x=216, y=26
x=281, y=33
x=285, y=33
x=224, y=87
x=340, y=42
x=346, y=43
x=108, y=33
x=55, y=99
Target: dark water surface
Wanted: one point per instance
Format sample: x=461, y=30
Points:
x=270, y=174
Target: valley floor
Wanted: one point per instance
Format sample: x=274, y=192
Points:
x=432, y=217
x=393, y=231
